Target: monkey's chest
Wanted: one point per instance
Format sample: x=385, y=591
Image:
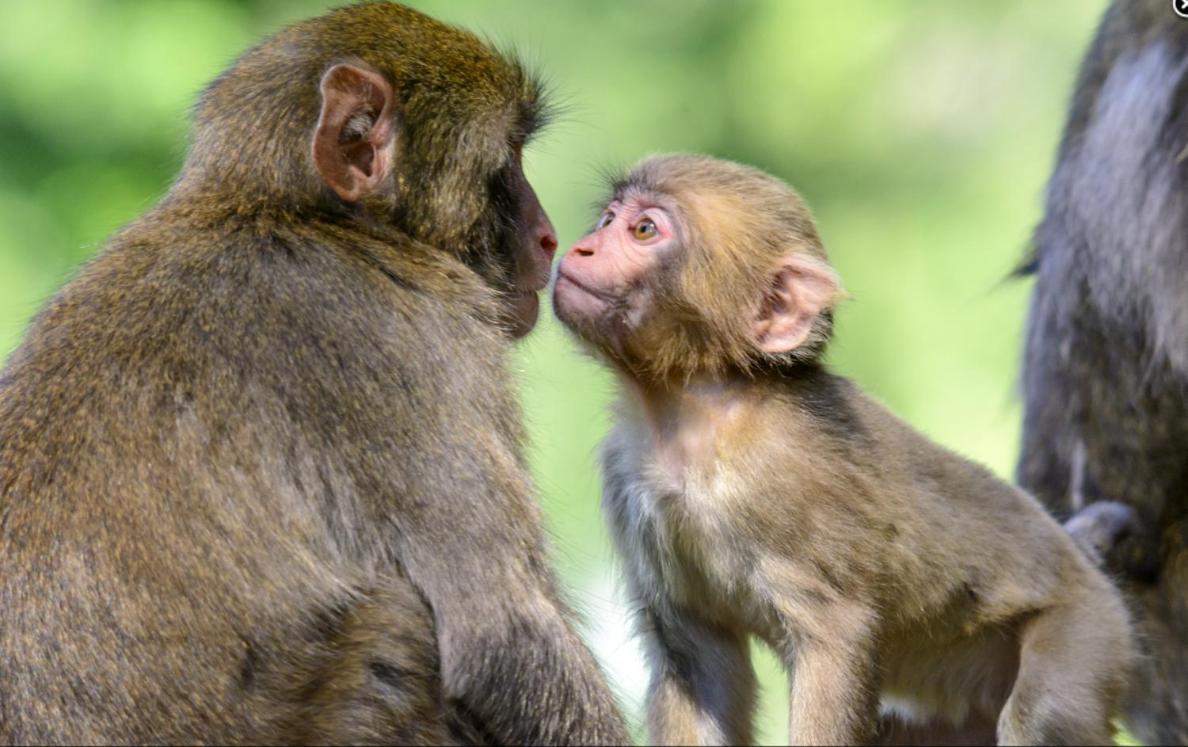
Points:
x=686, y=546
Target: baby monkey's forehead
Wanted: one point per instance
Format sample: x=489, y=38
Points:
x=640, y=192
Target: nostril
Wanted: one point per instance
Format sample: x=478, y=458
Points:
x=582, y=251
x=548, y=243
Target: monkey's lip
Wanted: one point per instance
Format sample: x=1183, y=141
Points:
x=561, y=275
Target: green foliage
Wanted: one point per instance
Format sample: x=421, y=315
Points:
x=921, y=131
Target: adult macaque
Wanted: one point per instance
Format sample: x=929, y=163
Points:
x=1105, y=370
x=261, y=475
x=753, y=493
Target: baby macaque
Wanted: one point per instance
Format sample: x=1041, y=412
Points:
x=911, y=595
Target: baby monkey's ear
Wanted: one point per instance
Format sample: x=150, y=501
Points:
x=802, y=288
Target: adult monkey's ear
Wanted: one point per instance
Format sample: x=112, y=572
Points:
x=802, y=288
x=354, y=145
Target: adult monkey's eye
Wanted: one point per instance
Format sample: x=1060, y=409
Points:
x=644, y=230
x=604, y=221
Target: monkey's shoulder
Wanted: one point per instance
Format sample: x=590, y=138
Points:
x=837, y=407
x=169, y=319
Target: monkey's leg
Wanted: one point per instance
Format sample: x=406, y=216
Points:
x=703, y=687
x=380, y=683
x=1071, y=671
x=834, y=693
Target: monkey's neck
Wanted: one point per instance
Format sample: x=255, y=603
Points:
x=704, y=419
x=687, y=421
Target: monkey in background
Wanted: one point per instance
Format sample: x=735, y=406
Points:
x=261, y=465
x=911, y=595
x=1105, y=367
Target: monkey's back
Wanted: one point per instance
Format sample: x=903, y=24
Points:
x=1002, y=598
x=945, y=516
x=180, y=481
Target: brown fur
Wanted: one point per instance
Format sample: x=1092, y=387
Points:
x=765, y=496
x=261, y=466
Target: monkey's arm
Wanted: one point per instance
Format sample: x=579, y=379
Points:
x=703, y=687
x=500, y=622
x=471, y=540
x=834, y=684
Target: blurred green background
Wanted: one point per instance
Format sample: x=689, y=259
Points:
x=921, y=132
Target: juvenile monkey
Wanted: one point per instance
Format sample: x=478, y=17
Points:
x=911, y=595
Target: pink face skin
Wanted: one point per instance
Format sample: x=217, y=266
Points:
x=603, y=271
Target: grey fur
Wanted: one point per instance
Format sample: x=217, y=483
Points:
x=1105, y=377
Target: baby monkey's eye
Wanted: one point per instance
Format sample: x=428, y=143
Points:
x=645, y=229
x=604, y=221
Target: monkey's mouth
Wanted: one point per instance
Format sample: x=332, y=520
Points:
x=579, y=306
x=562, y=276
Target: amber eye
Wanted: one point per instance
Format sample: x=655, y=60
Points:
x=604, y=221
x=644, y=230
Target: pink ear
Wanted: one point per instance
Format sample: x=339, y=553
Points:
x=354, y=143
x=803, y=287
